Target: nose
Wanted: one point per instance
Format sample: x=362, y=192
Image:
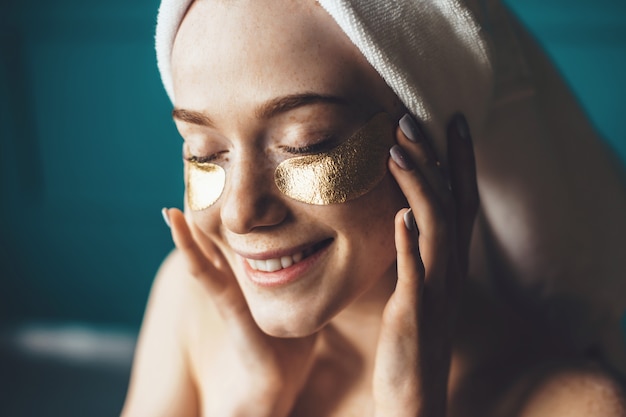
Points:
x=251, y=199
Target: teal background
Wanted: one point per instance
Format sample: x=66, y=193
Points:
x=89, y=154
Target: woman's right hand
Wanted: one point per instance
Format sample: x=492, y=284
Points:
x=270, y=371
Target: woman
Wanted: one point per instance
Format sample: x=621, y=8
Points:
x=314, y=275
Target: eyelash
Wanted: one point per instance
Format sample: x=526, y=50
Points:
x=327, y=143
x=201, y=159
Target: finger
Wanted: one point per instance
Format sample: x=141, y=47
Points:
x=223, y=288
x=419, y=149
x=403, y=309
x=409, y=263
x=414, y=133
x=464, y=185
x=429, y=216
x=206, y=244
x=210, y=249
x=198, y=263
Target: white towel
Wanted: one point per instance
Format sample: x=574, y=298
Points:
x=431, y=53
x=171, y=13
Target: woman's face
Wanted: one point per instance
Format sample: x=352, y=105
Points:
x=254, y=83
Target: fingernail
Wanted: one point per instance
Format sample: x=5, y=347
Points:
x=166, y=217
x=461, y=126
x=400, y=158
x=410, y=129
x=409, y=220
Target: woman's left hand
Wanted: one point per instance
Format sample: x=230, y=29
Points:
x=432, y=243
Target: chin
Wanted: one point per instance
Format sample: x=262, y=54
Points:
x=288, y=323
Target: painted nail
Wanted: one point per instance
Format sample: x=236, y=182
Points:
x=399, y=157
x=409, y=220
x=410, y=129
x=461, y=127
x=166, y=217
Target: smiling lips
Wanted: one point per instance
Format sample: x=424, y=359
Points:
x=275, y=264
x=285, y=261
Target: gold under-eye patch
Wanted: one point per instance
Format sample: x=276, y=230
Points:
x=344, y=173
x=205, y=183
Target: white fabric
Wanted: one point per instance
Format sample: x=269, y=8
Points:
x=171, y=13
x=431, y=53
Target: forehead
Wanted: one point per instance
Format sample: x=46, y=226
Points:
x=255, y=50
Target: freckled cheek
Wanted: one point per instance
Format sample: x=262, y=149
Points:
x=387, y=198
x=373, y=214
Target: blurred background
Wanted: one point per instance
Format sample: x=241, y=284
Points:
x=89, y=155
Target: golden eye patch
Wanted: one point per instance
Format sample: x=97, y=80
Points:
x=344, y=173
x=205, y=183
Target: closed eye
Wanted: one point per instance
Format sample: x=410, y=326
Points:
x=325, y=145
x=203, y=159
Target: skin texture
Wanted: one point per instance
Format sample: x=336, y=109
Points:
x=368, y=328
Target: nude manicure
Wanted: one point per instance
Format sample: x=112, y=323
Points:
x=399, y=157
x=410, y=129
x=409, y=220
x=166, y=217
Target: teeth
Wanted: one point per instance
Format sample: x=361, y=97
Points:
x=276, y=264
x=273, y=265
x=286, y=261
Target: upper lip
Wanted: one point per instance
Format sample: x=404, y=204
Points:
x=277, y=253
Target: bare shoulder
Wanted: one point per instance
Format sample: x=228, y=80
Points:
x=162, y=380
x=583, y=389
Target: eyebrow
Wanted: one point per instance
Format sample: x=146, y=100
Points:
x=293, y=101
x=193, y=117
x=266, y=110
